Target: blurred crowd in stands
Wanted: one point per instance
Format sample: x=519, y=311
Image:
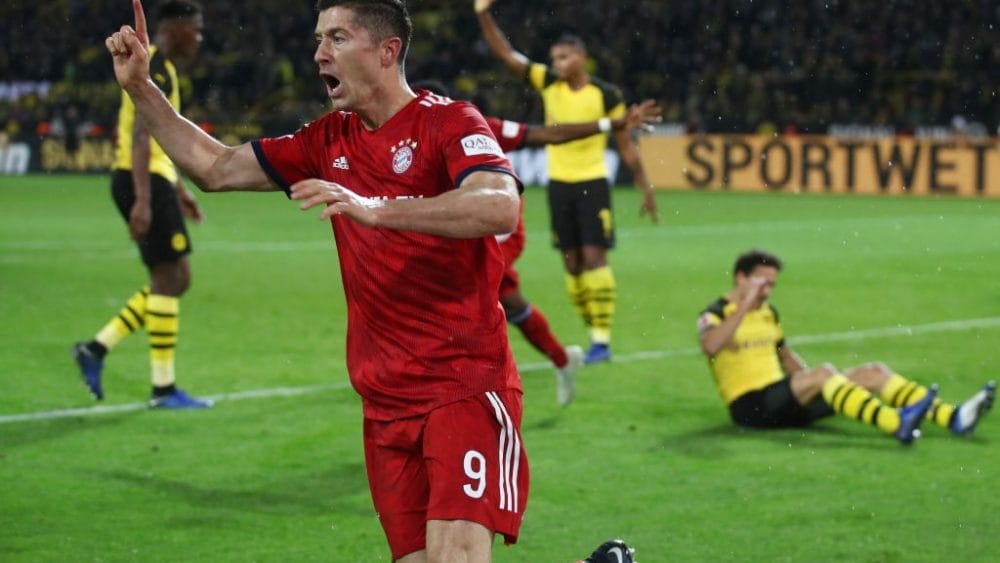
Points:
x=724, y=66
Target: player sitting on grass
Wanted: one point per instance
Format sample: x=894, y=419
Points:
x=766, y=385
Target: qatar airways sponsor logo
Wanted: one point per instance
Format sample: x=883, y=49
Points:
x=480, y=144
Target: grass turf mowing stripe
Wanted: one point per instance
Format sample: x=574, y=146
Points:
x=884, y=332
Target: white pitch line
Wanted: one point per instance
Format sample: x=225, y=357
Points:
x=884, y=332
x=127, y=407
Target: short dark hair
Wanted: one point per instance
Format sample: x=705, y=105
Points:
x=746, y=262
x=382, y=18
x=572, y=41
x=177, y=9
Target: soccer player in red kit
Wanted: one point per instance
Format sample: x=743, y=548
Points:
x=530, y=320
x=416, y=188
x=513, y=135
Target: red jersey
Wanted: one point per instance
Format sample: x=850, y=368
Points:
x=424, y=327
x=511, y=136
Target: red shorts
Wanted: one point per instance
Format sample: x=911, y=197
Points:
x=510, y=282
x=461, y=461
x=511, y=246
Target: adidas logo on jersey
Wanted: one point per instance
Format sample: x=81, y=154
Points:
x=341, y=162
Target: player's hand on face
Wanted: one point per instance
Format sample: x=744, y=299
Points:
x=338, y=200
x=129, y=49
x=481, y=6
x=139, y=220
x=751, y=290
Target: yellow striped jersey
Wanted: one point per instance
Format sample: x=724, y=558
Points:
x=583, y=159
x=163, y=73
x=750, y=361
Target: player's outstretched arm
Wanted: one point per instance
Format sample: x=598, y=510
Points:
x=639, y=115
x=486, y=203
x=212, y=165
x=630, y=154
x=561, y=133
x=514, y=59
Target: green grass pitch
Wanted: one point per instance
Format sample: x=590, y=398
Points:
x=274, y=472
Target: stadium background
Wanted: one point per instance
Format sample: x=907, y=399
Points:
x=900, y=67
x=274, y=472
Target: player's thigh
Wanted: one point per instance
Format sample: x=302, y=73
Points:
x=775, y=406
x=476, y=462
x=511, y=281
x=168, y=238
x=807, y=384
x=122, y=192
x=510, y=292
x=594, y=215
x=564, y=198
x=872, y=376
x=398, y=481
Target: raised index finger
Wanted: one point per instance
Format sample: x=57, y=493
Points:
x=140, y=23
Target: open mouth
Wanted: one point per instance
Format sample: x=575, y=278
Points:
x=331, y=81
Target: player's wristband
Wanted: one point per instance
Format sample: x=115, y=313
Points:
x=604, y=124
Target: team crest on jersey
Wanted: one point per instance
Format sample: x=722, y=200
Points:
x=402, y=155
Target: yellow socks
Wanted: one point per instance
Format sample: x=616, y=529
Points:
x=130, y=319
x=162, y=323
x=578, y=297
x=850, y=399
x=900, y=392
x=600, y=295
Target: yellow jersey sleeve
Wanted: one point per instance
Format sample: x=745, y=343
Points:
x=539, y=76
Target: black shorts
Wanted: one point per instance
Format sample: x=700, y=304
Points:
x=167, y=239
x=775, y=407
x=580, y=214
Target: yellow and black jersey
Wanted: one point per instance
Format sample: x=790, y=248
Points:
x=163, y=73
x=583, y=159
x=750, y=361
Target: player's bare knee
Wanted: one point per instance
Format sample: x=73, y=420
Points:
x=826, y=371
x=871, y=376
x=880, y=368
x=183, y=285
x=171, y=278
x=457, y=540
